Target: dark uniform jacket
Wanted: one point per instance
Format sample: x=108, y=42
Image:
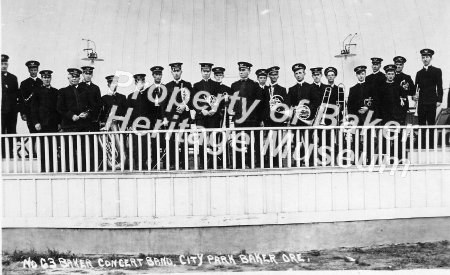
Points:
x=27, y=89
x=44, y=109
x=316, y=96
x=430, y=85
x=73, y=101
x=108, y=101
x=170, y=109
x=399, y=77
x=10, y=93
x=376, y=80
x=281, y=93
x=389, y=97
x=359, y=96
x=95, y=100
x=142, y=107
x=212, y=87
x=249, y=90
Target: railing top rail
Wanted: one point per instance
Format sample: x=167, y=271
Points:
x=189, y=130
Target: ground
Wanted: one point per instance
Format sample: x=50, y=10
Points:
x=434, y=255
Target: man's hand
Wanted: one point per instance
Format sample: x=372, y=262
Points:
x=363, y=110
x=83, y=115
x=415, y=98
x=75, y=117
x=165, y=122
x=24, y=117
x=212, y=112
x=37, y=127
x=59, y=127
x=438, y=104
x=261, y=124
x=205, y=112
x=181, y=108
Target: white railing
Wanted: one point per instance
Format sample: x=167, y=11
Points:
x=232, y=148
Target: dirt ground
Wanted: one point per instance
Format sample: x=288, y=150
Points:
x=434, y=255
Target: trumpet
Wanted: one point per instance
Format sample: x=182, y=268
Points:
x=416, y=106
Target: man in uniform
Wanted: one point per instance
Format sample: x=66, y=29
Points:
x=176, y=112
x=429, y=81
x=10, y=101
x=361, y=103
x=405, y=82
x=207, y=109
x=44, y=115
x=275, y=116
x=94, y=94
x=301, y=92
x=74, y=109
x=27, y=88
x=245, y=109
x=110, y=99
x=140, y=103
x=336, y=94
x=225, y=91
x=261, y=78
x=376, y=79
x=317, y=90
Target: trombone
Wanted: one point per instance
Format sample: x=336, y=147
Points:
x=416, y=106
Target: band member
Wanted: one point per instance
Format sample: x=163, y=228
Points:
x=176, y=113
x=317, y=90
x=207, y=113
x=27, y=88
x=376, y=79
x=429, y=81
x=73, y=107
x=110, y=99
x=361, y=103
x=140, y=103
x=10, y=103
x=336, y=93
x=225, y=91
x=301, y=93
x=261, y=77
x=44, y=115
x=247, y=92
x=274, y=112
x=391, y=97
x=405, y=81
x=94, y=94
x=275, y=116
x=360, y=97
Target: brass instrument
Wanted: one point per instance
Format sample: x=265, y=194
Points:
x=185, y=95
x=341, y=102
x=118, y=149
x=416, y=106
x=322, y=110
x=368, y=101
x=213, y=101
x=302, y=111
x=275, y=103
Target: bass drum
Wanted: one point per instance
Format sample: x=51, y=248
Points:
x=115, y=151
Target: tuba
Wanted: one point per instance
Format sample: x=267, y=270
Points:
x=118, y=150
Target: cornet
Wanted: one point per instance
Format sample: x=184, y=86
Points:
x=212, y=101
x=368, y=102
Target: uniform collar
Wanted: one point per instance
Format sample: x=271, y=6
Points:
x=426, y=67
x=301, y=82
x=109, y=92
x=262, y=86
x=34, y=78
x=318, y=84
x=359, y=82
